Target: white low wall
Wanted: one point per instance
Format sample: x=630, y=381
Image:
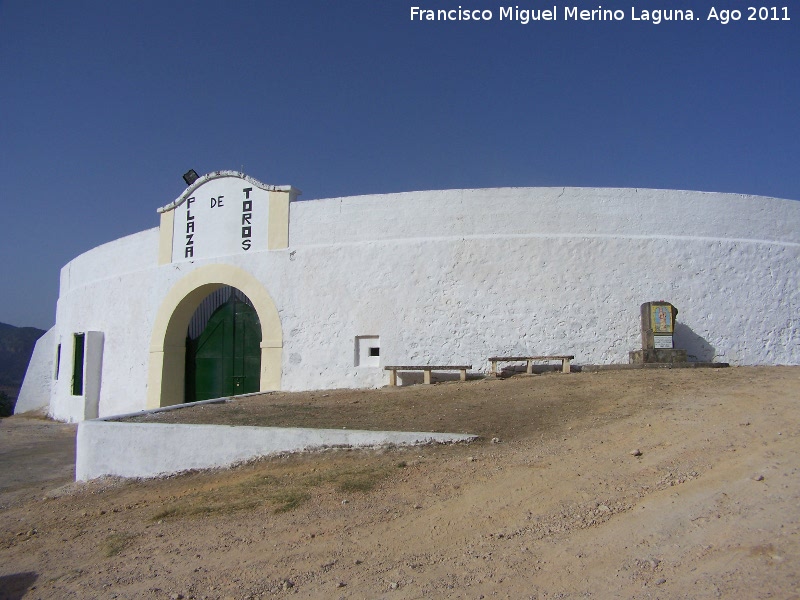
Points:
x=155, y=449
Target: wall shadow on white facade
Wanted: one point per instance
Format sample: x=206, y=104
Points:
x=698, y=349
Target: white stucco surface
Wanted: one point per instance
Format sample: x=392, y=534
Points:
x=115, y=259
x=456, y=276
x=549, y=212
x=154, y=449
x=35, y=391
x=92, y=374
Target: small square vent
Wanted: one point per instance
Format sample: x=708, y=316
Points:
x=368, y=351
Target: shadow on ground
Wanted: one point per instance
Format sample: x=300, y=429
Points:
x=14, y=587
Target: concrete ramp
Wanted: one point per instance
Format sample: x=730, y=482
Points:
x=35, y=391
x=155, y=449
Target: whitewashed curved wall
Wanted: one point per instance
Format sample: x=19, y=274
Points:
x=457, y=276
x=112, y=289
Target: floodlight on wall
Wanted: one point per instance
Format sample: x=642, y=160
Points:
x=190, y=176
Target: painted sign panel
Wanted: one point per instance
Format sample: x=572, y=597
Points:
x=224, y=216
x=661, y=318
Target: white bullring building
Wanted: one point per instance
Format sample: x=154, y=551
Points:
x=244, y=288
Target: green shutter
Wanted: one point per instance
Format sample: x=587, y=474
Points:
x=77, y=364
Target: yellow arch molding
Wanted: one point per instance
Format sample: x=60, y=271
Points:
x=165, y=378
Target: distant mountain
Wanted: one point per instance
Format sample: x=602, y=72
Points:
x=16, y=347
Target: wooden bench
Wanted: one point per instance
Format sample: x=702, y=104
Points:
x=530, y=360
x=426, y=371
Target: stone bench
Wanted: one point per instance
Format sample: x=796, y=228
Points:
x=426, y=370
x=564, y=358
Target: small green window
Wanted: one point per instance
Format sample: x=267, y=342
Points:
x=58, y=361
x=77, y=365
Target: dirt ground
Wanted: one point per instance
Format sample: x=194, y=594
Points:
x=626, y=484
x=36, y=455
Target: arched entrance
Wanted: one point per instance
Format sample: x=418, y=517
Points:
x=223, y=354
x=167, y=369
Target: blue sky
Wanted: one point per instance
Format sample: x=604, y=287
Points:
x=104, y=105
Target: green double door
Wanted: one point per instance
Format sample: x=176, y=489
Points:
x=226, y=358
